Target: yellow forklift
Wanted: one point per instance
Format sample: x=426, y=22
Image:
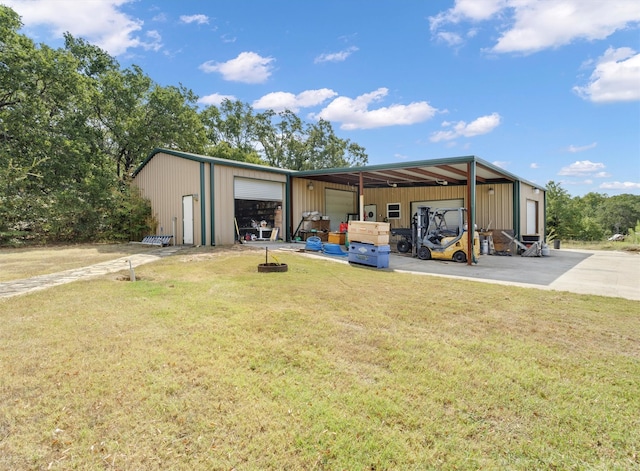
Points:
x=441, y=234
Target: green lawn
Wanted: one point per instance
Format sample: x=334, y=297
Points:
x=206, y=364
x=32, y=261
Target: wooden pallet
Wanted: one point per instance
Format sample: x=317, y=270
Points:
x=161, y=240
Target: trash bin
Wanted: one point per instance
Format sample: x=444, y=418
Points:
x=556, y=244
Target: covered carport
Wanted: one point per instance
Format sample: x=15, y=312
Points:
x=491, y=194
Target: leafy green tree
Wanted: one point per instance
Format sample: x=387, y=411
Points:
x=45, y=154
x=562, y=214
x=56, y=181
x=232, y=123
x=287, y=142
x=135, y=115
x=619, y=213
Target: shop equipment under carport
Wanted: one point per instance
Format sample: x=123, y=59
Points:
x=470, y=171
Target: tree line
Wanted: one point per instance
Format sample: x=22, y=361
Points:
x=74, y=125
x=591, y=217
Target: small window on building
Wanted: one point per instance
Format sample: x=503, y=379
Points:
x=393, y=210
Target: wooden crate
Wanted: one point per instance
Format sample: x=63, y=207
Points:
x=378, y=239
x=500, y=242
x=368, y=228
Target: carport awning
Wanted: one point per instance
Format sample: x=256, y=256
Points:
x=450, y=171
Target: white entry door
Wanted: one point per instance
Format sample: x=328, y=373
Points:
x=187, y=220
x=532, y=217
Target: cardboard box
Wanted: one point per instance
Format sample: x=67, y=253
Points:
x=368, y=227
x=337, y=238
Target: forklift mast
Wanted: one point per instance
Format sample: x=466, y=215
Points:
x=430, y=228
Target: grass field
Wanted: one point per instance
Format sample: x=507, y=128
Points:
x=624, y=246
x=206, y=364
x=31, y=261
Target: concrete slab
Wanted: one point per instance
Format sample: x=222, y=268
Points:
x=603, y=273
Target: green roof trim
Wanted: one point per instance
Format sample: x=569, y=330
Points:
x=328, y=171
x=204, y=158
x=373, y=168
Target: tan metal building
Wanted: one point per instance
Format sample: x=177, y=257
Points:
x=199, y=199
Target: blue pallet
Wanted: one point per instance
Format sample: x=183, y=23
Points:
x=369, y=254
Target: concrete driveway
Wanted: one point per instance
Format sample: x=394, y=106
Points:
x=604, y=273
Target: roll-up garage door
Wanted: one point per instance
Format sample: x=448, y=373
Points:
x=338, y=203
x=260, y=190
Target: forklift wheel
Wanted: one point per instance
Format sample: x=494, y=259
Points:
x=424, y=253
x=403, y=246
x=459, y=256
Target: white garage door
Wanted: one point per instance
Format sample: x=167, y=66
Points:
x=451, y=218
x=261, y=190
x=339, y=203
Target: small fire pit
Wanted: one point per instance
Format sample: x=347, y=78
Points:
x=271, y=267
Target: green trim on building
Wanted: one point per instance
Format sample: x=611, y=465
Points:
x=472, y=211
x=206, y=159
x=286, y=216
x=203, y=209
x=516, y=209
x=212, y=209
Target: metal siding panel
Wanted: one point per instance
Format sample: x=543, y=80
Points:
x=164, y=181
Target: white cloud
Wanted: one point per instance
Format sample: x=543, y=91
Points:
x=154, y=42
x=199, y=19
x=160, y=18
x=481, y=125
x=474, y=10
x=100, y=23
x=452, y=39
x=582, y=168
x=534, y=165
x=532, y=25
x=602, y=175
x=354, y=113
x=335, y=56
x=501, y=163
x=248, y=67
x=280, y=101
x=215, y=99
x=620, y=186
x=616, y=77
x=574, y=149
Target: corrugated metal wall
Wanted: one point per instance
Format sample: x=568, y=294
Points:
x=528, y=192
x=304, y=200
x=494, y=210
x=165, y=180
x=381, y=196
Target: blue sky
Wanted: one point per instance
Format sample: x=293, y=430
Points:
x=546, y=89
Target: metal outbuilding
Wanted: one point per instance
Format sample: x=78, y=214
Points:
x=198, y=199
